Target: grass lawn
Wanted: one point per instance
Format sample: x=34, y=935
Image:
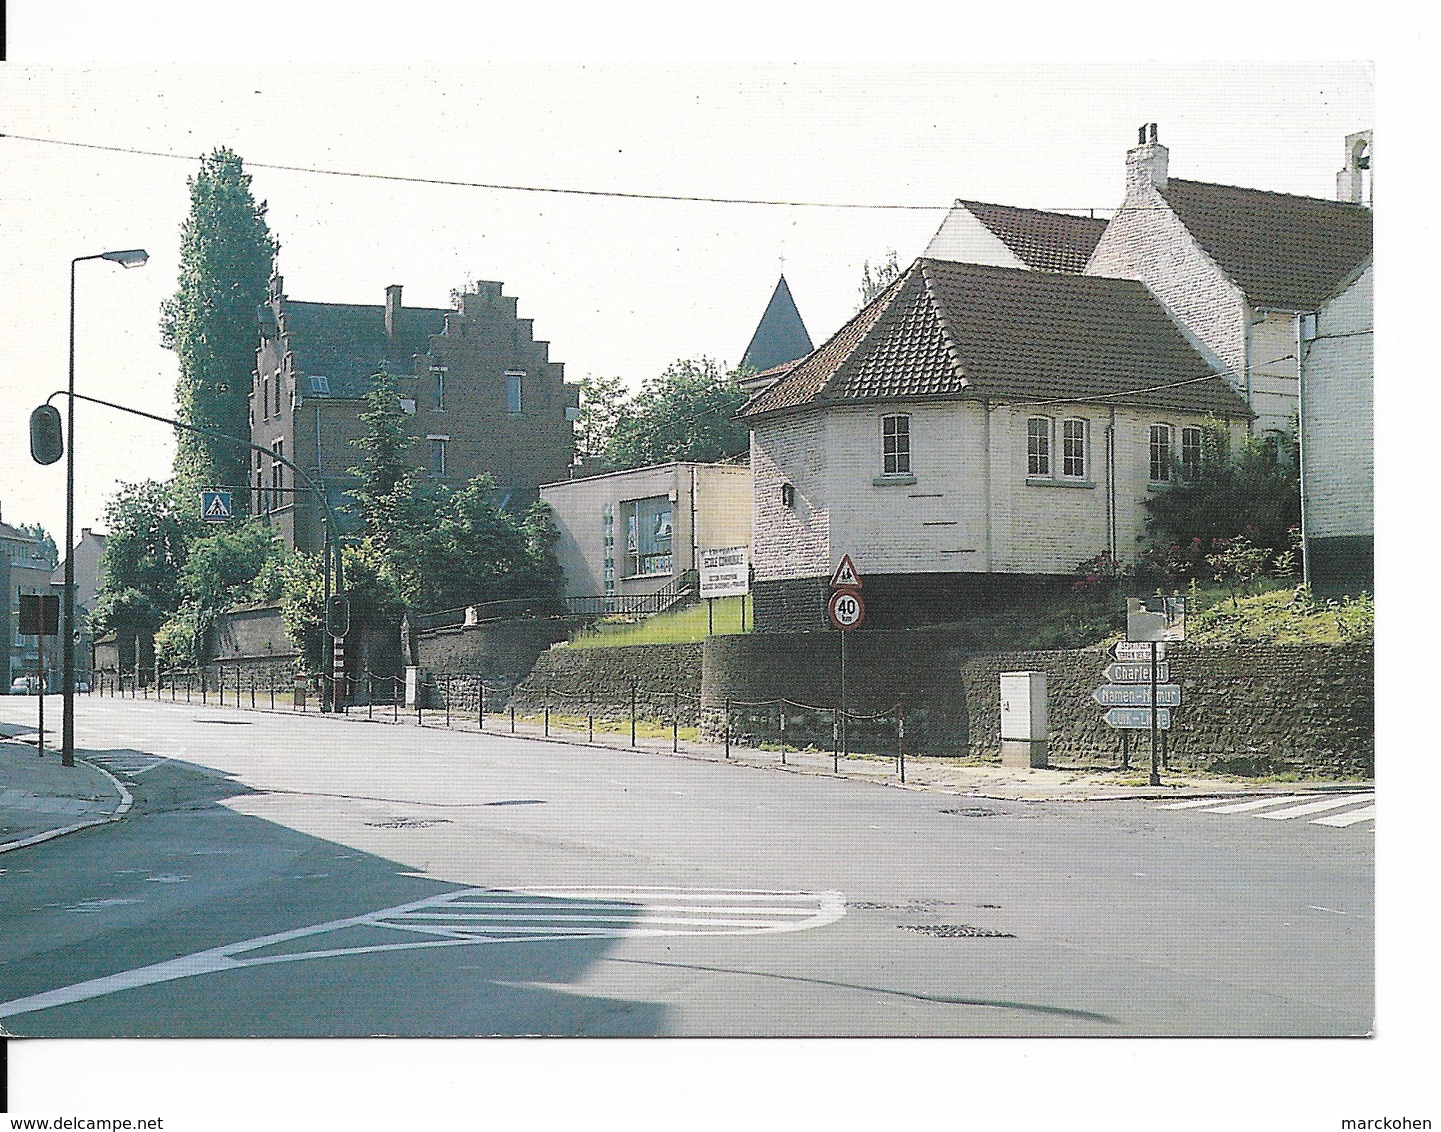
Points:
x=682, y=625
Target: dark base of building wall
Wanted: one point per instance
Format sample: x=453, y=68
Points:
x=900, y=601
x=1342, y=566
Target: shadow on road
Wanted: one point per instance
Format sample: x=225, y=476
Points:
x=188, y=919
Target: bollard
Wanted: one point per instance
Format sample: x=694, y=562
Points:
x=547, y=709
x=783, y=735
x=835, y=741
x=901, y=739
x=512, y=711
x=675, y=721
x=480, y=708
x=270, y=683
x=590, y=722
x=728, y=724
x=369, y=695
x=252, y=688
x=632, y=713
x=447, y=699
x=395, y=700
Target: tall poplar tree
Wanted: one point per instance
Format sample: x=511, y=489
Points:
x=226, y=256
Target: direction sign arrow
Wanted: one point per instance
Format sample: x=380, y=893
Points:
x=1137, y=695
x=1129, y=673
x=1138, y=650
x=1133, y=718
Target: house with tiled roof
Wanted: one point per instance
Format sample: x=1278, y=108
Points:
x=970, y=436
x=480, y=394
x=1254, y=278
x=1237, y=268
x=1005, y=236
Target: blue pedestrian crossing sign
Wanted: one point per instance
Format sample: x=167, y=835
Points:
x=215, y=507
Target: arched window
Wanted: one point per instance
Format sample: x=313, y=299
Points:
x=1039, y=434
x=1075, y=448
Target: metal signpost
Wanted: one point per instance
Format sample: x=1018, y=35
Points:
x=40, y=618
x=846, y=610
x=1150, y=621
x=724, y=573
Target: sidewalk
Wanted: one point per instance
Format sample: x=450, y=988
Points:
x=40, y=799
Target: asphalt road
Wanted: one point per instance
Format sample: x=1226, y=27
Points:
x=304, y=876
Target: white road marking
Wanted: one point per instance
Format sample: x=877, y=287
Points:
x=1258, y=804
x=444, y=920
x=1190, y=803
x=1366, y=814
x=1318, y=807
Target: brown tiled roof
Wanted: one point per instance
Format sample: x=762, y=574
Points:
x=1283, y=251
x=1047, y=241
x=807, y=376
x=958, y=329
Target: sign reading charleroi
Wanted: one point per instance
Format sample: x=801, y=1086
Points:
x=725, y=572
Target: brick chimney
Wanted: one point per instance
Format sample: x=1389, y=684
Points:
x=1147, y=164
x=1352, y=181
x=392, y=312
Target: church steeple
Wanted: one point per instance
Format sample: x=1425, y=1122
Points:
x=781, y=335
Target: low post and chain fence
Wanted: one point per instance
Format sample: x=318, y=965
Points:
x=638, y=717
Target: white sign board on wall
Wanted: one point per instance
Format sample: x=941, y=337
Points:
x=725, y=572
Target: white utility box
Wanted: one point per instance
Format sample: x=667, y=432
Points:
x=1025, y=720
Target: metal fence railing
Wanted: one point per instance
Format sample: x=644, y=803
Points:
x=459, y=700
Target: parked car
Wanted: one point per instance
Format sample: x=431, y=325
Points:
x=26, y=686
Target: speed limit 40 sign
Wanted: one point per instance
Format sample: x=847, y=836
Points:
x=846, y=609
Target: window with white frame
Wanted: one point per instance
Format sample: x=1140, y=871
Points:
x=277, y=473
x=1074, y=443
x=896, y=445
x=1191, y=454
x=437, y=387
x=1160, y=450
x=513, y=391
x=437, y=454
x=1038, y=446
x=647, y=535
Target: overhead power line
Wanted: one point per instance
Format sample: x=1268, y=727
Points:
x=498, y=187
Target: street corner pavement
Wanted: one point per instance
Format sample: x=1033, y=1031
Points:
x=41, y=799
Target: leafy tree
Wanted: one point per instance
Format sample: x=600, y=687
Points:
x=877, y=279
x=602, y=404
x=1253, y=492
x=46, y=547
x=375, y=601
x=441, y=549
x=149, y=541
x=1236, y=565
x=687, y=413
x=225, y=261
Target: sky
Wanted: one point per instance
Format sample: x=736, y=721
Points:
x=839, y=104
x=618, y=286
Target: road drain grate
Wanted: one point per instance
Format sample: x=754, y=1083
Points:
x=974, y=812
x=912, y=906
x=408, y=823
x=956, y=931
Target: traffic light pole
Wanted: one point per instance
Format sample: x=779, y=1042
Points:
x=331, y=530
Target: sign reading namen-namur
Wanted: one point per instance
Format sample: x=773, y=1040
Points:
x=726, y=572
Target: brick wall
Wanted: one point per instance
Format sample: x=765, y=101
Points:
x=1248, y=708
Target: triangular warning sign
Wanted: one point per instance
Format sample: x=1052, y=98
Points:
x=845, y=576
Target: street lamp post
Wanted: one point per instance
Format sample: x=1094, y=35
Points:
x=133, y=257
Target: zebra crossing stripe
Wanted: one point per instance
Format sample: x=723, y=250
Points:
x=1368, y=813
x=530, y=915
x=1258, y=804
x=1318, y=807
